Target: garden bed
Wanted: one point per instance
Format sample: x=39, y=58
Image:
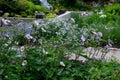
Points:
x=59, y=48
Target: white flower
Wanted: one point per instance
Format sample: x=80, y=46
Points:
x=94, y=33
x=28, y=36
x=44, y=52
x=100, y=34
x=83, y=38
x=9, y=42
x=101, y=12
x=22, y=48
x=24, y=63
x=16, y=42
x=6, y=45
x=103, y=16
x=36, y=22
x=62, y=64
x=72, y=20
x=14, y=48
x=43, y=30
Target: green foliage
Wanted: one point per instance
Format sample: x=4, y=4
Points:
x=20, y=39
x=68, y=3
x=37, y=2
x=23, y=14
x=34, y=64
x=42, y=54
x=72, y=5
x=20, y=7
x=108, y=25
x=50, y=15
x=117, y=1
x=82, y=6
x=31, y=7
x=113, y=9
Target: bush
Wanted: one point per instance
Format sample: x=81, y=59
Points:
x=41, y=55
x=108, y=25
x=68, y=3
x=113, y=9
x=20, y=7
x=74, y=5
x=36, y=2
x=34, y=64
x=31, y=7
x=117, y=1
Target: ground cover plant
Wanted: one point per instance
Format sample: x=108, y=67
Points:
x=104, y=22
x=41, y=54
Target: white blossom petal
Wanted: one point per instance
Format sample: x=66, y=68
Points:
x=62, y=64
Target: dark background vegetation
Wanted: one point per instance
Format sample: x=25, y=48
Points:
x=28, y=7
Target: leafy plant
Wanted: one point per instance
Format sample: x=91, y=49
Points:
x=20, y=8
x=113, y=9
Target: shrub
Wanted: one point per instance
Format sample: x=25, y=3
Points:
x=68, y=3
x=113, y=9
x=34, y=64
x=118, y=1
x=108, y=25
x=20, y=7
x=23, y=14
x=36, y=2
x=31, y=7
x=22, y=59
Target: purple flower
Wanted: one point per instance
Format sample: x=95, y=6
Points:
x=5, y=21
x=96, y=57
x=108, y=46
x=84, y=14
